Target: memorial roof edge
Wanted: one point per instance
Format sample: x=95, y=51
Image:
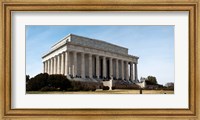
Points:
x=98, y=40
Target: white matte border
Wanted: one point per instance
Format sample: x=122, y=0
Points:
x=177, y=100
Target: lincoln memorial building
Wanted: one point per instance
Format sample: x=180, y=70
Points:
x=86, y=58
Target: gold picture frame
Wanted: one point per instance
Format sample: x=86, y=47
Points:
x=7, y=6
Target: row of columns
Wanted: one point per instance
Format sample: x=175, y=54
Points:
x=61, y=64
x=56, y=65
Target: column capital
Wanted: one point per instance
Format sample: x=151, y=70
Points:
x=90, y=55
x=73, y=51
x=96, y=55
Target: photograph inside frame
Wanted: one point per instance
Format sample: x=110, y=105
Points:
x=100, y=59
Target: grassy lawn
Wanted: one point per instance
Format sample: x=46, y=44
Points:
x=98, y=91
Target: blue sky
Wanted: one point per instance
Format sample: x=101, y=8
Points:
x=154, y=45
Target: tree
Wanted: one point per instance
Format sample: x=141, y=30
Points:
x=27, y=78
x=170, y=85
x=152, y=79
x=45, y=82
x=59, y=81
x=37, y=82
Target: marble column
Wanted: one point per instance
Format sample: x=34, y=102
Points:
x=66, y=63
x=51, y=66
x=69, y=63
x=49, y=71
x=110, y=68
x=54, y=65
x=127, y=75
x=74, y=64
x=52, y=69
x=62, y=63
x=131, y=71
x=136, y=76
x=104, y=66
x=48, y=66
x=117, y=69
x=58, y=64
x=82, y=65
x=43, y=67
x=90, y=66
x=97, y=66
x=122, y=69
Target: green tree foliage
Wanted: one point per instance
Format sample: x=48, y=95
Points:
x=105, y=88
x=45, y=82
x=152, y=79
x=59, y=81
x=27, y=78
x=170, y=86
x=37, y=82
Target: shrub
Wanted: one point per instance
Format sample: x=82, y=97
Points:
x=70, y=89
x=124, y=85
x=37, y=82
x=113, y=88
x=47, y=88
x=59, y=81
x=83, y=86
x=105, y=88
x=27, y=78
x=44, y=81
